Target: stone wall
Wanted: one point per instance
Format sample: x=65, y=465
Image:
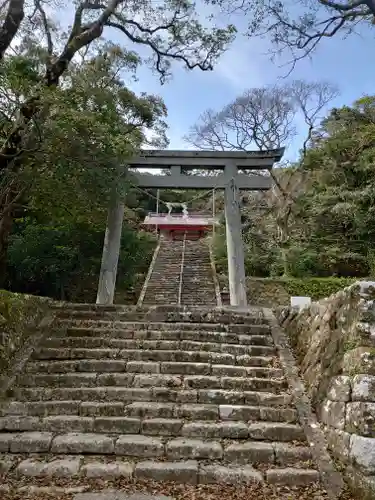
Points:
x=334, y=343
x=19, y=317
x=273, y=292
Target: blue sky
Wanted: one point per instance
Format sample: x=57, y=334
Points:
x=345, y=62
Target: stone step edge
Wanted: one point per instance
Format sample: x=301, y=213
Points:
x=265, y=431
x=143, y=410
x=140, y=446
x=189, y=471
x=155, y=395
x=157, y=325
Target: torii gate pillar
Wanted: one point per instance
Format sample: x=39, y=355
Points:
x=235, y=250
x=111, y=251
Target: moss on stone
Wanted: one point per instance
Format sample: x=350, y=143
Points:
x=19, y=315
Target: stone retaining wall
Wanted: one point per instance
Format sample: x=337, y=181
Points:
x=334, y=343
x=19, y=316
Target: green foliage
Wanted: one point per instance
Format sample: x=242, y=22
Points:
x=316, y=288
x=63, y=261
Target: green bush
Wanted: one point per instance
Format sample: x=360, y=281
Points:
x=63, y=262
x=316, y=288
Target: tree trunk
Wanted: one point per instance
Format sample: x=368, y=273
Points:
x=6, y=224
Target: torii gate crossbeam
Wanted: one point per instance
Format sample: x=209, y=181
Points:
x=230, y=180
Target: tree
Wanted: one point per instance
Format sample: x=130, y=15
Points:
x=94, y=124
x=266, y=118
x=35, y=79
x=299, y=27
x=338, y=208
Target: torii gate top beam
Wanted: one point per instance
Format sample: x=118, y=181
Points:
x=245, y=160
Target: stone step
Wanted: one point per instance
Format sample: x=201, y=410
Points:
x=166, y=335
x=45, y=354
x=221, y=331
x=125, y=344
x=169, y=314
x=203, y=412
x=118, y=365
x=151, y=394
x=143, y=338
x=189, y=471
x=169, y=378
x=140, y=446
x=259, y=431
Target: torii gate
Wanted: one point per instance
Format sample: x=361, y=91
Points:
x=230, y=180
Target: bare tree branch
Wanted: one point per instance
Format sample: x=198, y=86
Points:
x=266, y=118
x=298, y=26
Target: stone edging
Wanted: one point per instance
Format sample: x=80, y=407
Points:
x=332, y=479
x=20, y=359
x=149, y=273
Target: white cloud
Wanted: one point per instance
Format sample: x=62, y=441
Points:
x=241, y=67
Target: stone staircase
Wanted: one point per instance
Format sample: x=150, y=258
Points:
x=164, y=284
x=162, y=393
x=197, y=280
x=182, y=274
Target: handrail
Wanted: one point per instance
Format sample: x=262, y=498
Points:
x=219, y=302
x=182, y=269
x=149, y=273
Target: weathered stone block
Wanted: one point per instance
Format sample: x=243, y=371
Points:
x=83, y=443
x=5, y=440
x=333, y=414
x=179, y=472
x=360, y=418
x=108, y=470
x=121, y=425
x=31, y=442
x=193, y=448
x=276, y=431
x=292, y=477
x=219, y=396
x=93, y=409
x=202, y=382
x=139, y=446
x=66, y=467
x=30, y=468
x=362, y=453
x=338, y=442
x=213, y=474
x=19, y=423
x=339, y=389
x=115, y=379
x=5, y=465
x=157, y=380
x=239, y=412
x=197, y=412
x=162, y=427
x=186, y=368
x=363, y=388
x=103, y=365
x=250, y=453
x=143, y=367
x=68, y=423
x=287, y=415
x=150, y=409
x=287, y=454
x=186, y=397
